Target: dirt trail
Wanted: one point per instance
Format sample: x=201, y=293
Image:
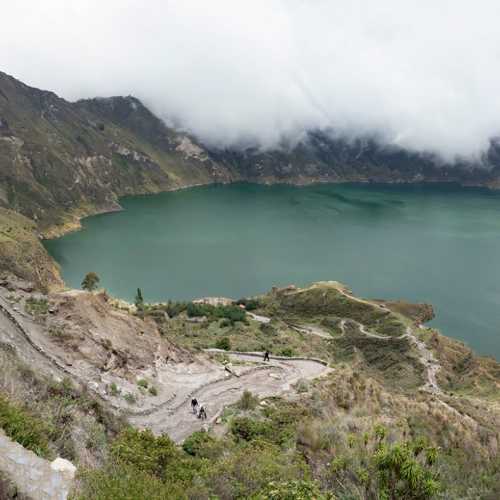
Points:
x=259, y=318
x=308, y=329
x=426, y=356
x=214, y=387
x=211, y=384
x=311, y=330
x=263, y=379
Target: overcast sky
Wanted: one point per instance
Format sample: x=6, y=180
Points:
x=424, y=74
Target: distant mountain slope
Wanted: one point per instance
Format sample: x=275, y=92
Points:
x=60, y=160
x=57, y=157
x=324, y=158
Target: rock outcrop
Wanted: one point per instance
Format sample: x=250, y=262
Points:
x=33, y=476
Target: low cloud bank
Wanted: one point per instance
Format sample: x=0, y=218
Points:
x=423, y=75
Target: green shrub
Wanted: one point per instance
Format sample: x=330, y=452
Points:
x=251, y=468
x=130, y=398
x=194, y=310
x=248, y=401
x=125, y=482
x=250, y=304
x=144, y=451
x=288, y=352
x=37, y=307
x=196, y=442
x=231, y=313
x=173, y=309
x=22, y=427
x=153, y=391
x=405, y=470
x=386, y=469
x=113, y=389
x=223, y=343
x=248, y=429
x=142, y=383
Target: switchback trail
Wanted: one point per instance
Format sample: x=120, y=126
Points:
x=248, y=372
x=263, y=379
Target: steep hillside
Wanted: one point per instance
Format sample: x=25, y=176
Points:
x=348, y=380
x=22, y=253
x=59, y=159
x=321, y=157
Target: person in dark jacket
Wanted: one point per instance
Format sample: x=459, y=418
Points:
x=266, y=356
x=202, y=413
x=194, y=405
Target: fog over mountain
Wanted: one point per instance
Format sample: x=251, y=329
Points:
x=424, y=75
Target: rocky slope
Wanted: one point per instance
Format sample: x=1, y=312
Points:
x=60, y=159
x=348, y=365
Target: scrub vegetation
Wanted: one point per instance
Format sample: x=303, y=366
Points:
x=338, y=441
x=365, y=430
x=52, y=418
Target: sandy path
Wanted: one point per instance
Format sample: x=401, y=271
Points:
x=217, y=388
x=262, y=379
x=308, y=329
x=259, y=318
x=311, y=330
x=426, y=356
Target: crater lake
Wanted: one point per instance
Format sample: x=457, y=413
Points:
x=436, y=244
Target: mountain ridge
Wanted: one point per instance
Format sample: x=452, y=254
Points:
x=60, y=160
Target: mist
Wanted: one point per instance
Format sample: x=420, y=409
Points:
x=422, y=75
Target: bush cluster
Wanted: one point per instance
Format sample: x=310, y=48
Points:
x=36, y=306
x=24, y=428
x=231, y=313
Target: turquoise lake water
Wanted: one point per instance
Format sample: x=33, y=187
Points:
x=420, y=243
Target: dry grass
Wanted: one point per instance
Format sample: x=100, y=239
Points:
x=78, y=426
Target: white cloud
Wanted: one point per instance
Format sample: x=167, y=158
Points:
x=423, y=74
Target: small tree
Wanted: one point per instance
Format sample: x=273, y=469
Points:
x=139, y=301
x=90, y=281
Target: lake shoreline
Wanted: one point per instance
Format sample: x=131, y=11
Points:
x=241, y=239
x=76, y=216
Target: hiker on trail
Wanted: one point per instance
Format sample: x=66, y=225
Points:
x=266, y=356
x=202, y=413
x=194, y=405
